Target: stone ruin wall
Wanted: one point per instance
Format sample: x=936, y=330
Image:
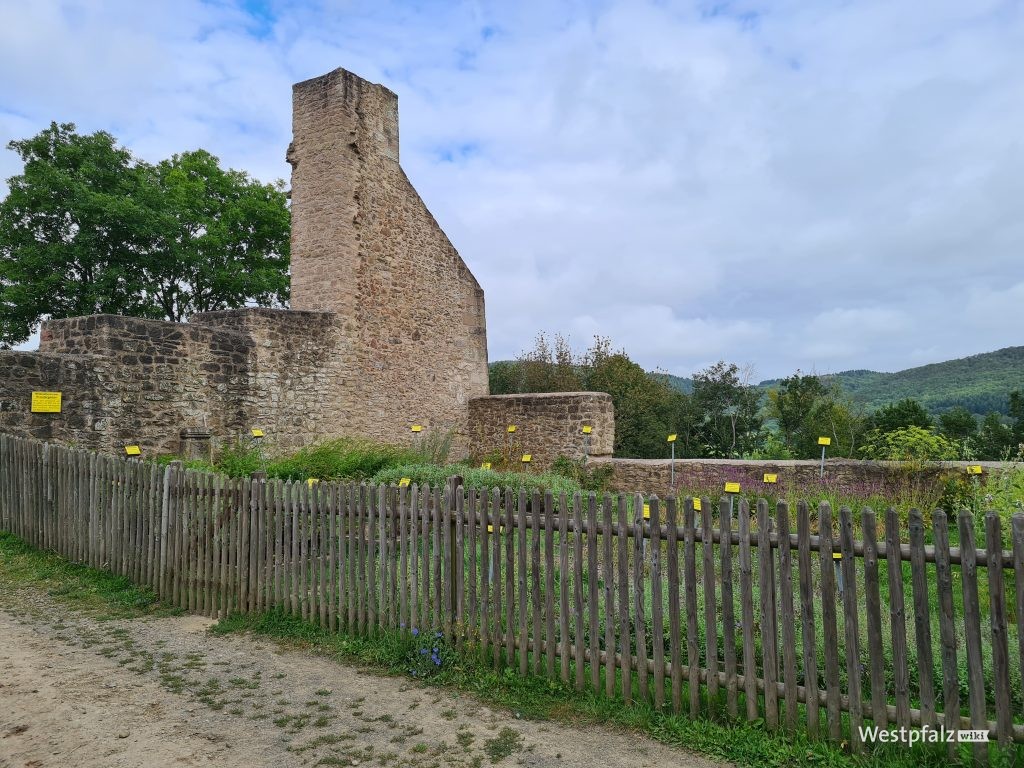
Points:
x=365, y=247
x=547, y=426
x=386, y=330
x=653, y=476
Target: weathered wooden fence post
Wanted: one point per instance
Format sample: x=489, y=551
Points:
x=453, y=563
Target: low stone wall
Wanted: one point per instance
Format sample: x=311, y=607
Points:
x=653, y=476
x=547, y=425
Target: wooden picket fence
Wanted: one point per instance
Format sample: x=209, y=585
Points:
x=721, y=611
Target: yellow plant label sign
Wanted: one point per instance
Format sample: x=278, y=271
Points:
x=770, y=477
x=417, y=427
x=312, y=481
x=824, y=441
x=133, y=450
x=511, y=428
x=587, y=430
x=485, y=465
x=697, y=506
x=837, y=555
x=672, y=438
x=527, y=458
x=732, y=487
x=404, y=482
x=46, y=402
x=974, y=469
x=257, y=433
x=647, y=511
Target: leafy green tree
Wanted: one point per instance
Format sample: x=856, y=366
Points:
x=906, y=413
x=805, y=408
x=995, y=438
x=958, y=424
x=727, y=410
x=1016, y=411
x=86, y=228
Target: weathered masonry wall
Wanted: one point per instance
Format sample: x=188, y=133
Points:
x=82, y=421
x=547, y=425
x=652, y=476
x=158, y=378
x=294, y=368
x=365, y=247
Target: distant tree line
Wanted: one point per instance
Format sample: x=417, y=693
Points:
x=727, y=416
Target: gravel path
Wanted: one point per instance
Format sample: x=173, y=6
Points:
x=77, y=691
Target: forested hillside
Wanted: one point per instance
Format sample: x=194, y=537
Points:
x=979, y=383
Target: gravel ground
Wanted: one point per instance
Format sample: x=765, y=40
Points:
x=79, y=691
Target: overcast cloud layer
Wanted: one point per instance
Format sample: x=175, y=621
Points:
x=824, y=185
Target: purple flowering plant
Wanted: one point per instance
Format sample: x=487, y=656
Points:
x=427, y=653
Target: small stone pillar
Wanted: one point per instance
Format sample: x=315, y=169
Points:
x=196, y=444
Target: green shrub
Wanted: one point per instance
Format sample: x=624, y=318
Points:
x=481, y=479
x=340, y=459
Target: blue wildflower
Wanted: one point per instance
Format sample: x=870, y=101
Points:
x=415, y=632
x=424, y=651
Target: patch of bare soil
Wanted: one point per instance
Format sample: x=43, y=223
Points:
x=76, y=691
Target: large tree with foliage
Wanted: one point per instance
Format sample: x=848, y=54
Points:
x=805, y=408
x=87, y=228
x=726, y=407
x=905, y=413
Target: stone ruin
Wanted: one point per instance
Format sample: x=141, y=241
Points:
x=386, y=329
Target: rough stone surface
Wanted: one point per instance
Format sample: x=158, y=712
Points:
x=365, y=247
x=652, y=476
x=547, y=425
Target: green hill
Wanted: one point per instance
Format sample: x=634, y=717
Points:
x=980, y=383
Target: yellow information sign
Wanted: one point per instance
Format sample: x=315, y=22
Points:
x=837, y=555
x=485, y=465
x=257, y=433
x=672, y=438
x=46, y=402
x=647, y=511
x=824, y=441
x=417, y=427
x=404, y=482
x=732, y=487
x=769, y=477
x=587, y=430
x=697, y=506
x=312, y=481
x=974, y=469
x=527, y=458
x=511, y=428
x=133, y=450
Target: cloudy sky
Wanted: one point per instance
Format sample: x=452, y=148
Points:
x=823, y=185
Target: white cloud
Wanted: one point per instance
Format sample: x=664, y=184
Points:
x=790, y=184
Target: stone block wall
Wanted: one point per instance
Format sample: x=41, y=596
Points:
x=652, y=476
x=365, y=247
x=82, y=420
x=295, y=363
x=547, y=425
x=158, y=378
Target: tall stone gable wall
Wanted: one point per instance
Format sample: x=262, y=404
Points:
x=365, y=247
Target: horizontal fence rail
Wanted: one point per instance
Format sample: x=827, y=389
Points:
x=797, y=616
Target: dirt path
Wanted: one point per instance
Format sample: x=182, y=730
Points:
x=75, y=691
